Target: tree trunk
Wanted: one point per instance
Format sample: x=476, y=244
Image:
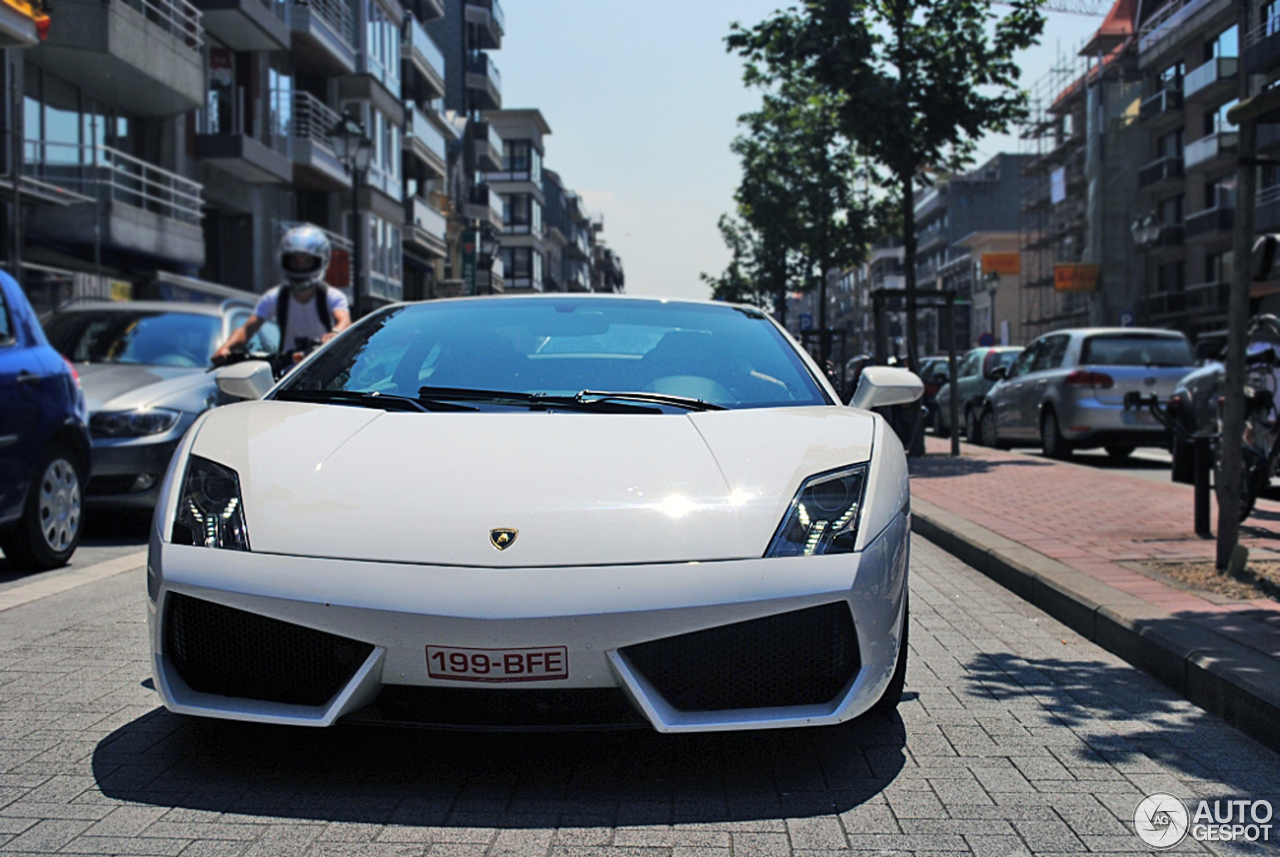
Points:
x=909, y=267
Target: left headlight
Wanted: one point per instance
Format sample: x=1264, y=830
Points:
x=210, y=509
x=137, y=423
x=823, y=517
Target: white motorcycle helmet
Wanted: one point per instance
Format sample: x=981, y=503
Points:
x=304, y=255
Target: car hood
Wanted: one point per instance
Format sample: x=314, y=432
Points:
x=125, y=386
x=580, y=489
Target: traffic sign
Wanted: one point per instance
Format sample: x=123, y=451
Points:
x=1127, y=319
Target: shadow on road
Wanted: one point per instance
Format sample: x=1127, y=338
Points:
x=941, y=466
x=1080, y=693
x=102, y=528
x=419, y=777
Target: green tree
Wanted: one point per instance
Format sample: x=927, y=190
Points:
x=740, y=282
x=803, y=192
x=916, y=83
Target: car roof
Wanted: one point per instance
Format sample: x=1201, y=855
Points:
x=1111, y=331
x=154, y=306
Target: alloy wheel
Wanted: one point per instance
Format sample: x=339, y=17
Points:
x=59, y=505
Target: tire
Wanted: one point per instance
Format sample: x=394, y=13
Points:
x=1119, y=451
x=1051, y=440
x=940, y=427
x=53, y=519
x=971, y=427
x=1184, y=461
x=1253, y=481
x=888, y=702
x=987, y=435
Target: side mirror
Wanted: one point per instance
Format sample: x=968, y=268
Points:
x=882, y=386
x=249, y=380
x=997, y=373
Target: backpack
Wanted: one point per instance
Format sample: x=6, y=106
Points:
x=321, y=301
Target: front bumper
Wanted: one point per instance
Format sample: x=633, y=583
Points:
x=385, y=615
x=119, y=462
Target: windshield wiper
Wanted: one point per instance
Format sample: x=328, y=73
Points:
x=584, y=401
x=383, y=401
x=689, y=404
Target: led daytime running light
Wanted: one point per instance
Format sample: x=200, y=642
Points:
x=823, y=517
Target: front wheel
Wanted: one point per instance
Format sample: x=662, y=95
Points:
x=987, y=431
x=47, y=534
x=971, y=427
x=940, y=426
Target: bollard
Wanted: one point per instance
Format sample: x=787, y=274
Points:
x=1202, y=462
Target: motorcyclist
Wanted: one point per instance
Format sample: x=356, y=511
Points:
x=304, y=307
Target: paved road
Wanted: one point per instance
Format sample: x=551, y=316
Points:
x=107, y=535
x=1016, y=737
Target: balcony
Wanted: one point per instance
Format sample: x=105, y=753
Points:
x=1215, y=78
x=1211, y=223
x=1215, y=150
x=491, y=23
x=1266, y=215
x=1163, y=108
x=1268, y=135
x=931, y=202
x=425, y=227
x=246, y=25
x=579, y=245
x=323, y=37
x=1262, y=47
x=306, y=131
x=1162, y=306
x=577, y=276
x=224, y=138
x=425, y=142
x=488, y=146
x=1160, y=174
x=1165, y=26
x=483, y=204
x=484, y=80
x=422, y=54
x=1208, y=297
x=140, y=208
x=141, y=55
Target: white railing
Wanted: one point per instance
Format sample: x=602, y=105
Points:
x=104, y=172
x=177, y=17
x=1209, y=147
x=336, y=14
x=427, y=218
x=311, y=119
x=1162, y=22
x=1269, y=27
x=1268, y=194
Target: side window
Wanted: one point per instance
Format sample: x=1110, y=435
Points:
x=1022, y=365
x=1050, y=352
x=6, y=326
x=969, y=367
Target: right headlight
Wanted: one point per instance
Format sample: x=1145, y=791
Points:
x=823, y=517
x=210, y=509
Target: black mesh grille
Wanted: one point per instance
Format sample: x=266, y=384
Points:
x=231, y=652
x=800, y=658
x=507, y=709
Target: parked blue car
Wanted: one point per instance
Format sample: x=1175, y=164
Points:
x=44, y=441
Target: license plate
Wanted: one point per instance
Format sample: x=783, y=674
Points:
x=1139, y=418
x=498, y=665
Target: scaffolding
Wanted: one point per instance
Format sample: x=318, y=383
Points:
x=1054, y=196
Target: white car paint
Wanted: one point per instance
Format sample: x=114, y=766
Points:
x=374, y=525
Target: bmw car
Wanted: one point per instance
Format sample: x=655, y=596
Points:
x=538, y=512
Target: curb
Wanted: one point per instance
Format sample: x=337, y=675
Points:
x=1225, y=678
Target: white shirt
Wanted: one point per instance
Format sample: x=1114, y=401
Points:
x=304, y=321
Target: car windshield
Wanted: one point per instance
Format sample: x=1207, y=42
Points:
x=721, y=355
x=1002, y=358
x=1137, y=350
x=135, y=336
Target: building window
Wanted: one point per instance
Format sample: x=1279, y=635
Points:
x=1171, y=277
x=386, y=277
x=521, y=157
x=1171, y=77
x=1271, y=14
x=1170, y=145
x=1220, y=193
x=1217, y=267
x=382, y=46
x=1225, y=44
x=1171, y=210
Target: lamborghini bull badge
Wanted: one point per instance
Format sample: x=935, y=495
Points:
x=503, y=537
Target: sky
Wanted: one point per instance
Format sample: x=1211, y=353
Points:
x=642, y=100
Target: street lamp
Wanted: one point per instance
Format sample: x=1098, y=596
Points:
x=354, y=150
x=1146, y=232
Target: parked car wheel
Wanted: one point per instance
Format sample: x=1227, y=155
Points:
x=1184, y=461
x=971, y=433
x=987, y=431
x=940, y=427
x=893, y=693
x=1051, y=440
x=50, y=527
x=1119, y=451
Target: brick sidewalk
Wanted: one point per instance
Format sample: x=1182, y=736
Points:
x=1093, y=520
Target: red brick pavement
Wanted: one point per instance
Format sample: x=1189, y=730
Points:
x=1092, y=520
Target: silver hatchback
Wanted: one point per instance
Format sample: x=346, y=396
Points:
x=1066, y=391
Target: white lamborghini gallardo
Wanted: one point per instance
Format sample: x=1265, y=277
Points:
x=538, y=512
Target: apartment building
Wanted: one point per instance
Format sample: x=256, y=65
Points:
x=986, y=199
